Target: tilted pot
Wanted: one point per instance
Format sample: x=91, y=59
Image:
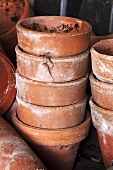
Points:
x=53, y=35
x=60, y=144
x=102, y=93
x=51, y=117
x=49, y=69
x=102, y=60
x=14, y=152
x=51, y=94
x=103, y=122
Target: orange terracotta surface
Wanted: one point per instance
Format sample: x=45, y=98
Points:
x=7, y=83
x=53, y=35
x=49, y=69
x=51, y=117
x=102, y=93
x=14, y=152
x=11, y=12
x=103, y=122
x=62, y=144
x=102, y=60
x=51, y=94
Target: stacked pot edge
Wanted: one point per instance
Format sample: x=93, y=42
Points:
x=101, y=103
x=51, y=79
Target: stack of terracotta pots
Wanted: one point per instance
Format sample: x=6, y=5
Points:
x=101, y=102
x=51, y=78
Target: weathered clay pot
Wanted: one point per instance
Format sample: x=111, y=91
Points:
x=51, y=117
x=10, y=13
x=103, y=122
x=102, y=93
x=14, y=152
x=53, y=35
x=7, y=83
x=62, y=144
x=51, y=94
x=102, y=60
x=48, y=69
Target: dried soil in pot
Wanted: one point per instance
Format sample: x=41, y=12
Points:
x=51, y=117
x=102, y=93
x=46, y=68
x=103, y=122
x=14, y=152
x=53, y=35
x=102, y=60
x=62, y=144
x=51, y=94
x=11, y=12
x=7, y=83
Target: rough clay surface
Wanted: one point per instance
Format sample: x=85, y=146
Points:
x=14, y=152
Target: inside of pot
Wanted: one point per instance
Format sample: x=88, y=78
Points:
x=105, y=48
x=55, y=25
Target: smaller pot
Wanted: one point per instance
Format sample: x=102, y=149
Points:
x=48, y=69
x=62, y=144
x=102, y=60
x=51, y=94
x=53, y=35
x=102, y=93
x=103, y=122
x=51, y=117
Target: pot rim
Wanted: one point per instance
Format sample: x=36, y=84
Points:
x=100, y=109
x=10, y=91
x=52, y=107
x=36, y=33
x=39, y=58
x=27, y=5
x=100, y=83
x=94, y=52
x=34, y=82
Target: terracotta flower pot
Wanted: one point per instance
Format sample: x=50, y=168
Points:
x=48, y=69
x=51, y=94
x=51, y=117
x=11, y=12
x=103, y=122
x=14, y=152
x=53, y=35
x=57, y=148
x=7, y=83
x=102, y=93
x=102, y=60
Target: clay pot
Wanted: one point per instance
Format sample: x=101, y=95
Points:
x=11, y=12
x=53, y=35
x=51, y=94
x=51, y=117
x=48, y=69
x=62, y=144
x=7, y=83
x=102, y=60
x=102, y=93
x=14, y=152
x=103, y=122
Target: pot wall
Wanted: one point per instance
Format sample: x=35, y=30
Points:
x=49, y=69
x=51, y=117
x=51, y=94
x=102, y=93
